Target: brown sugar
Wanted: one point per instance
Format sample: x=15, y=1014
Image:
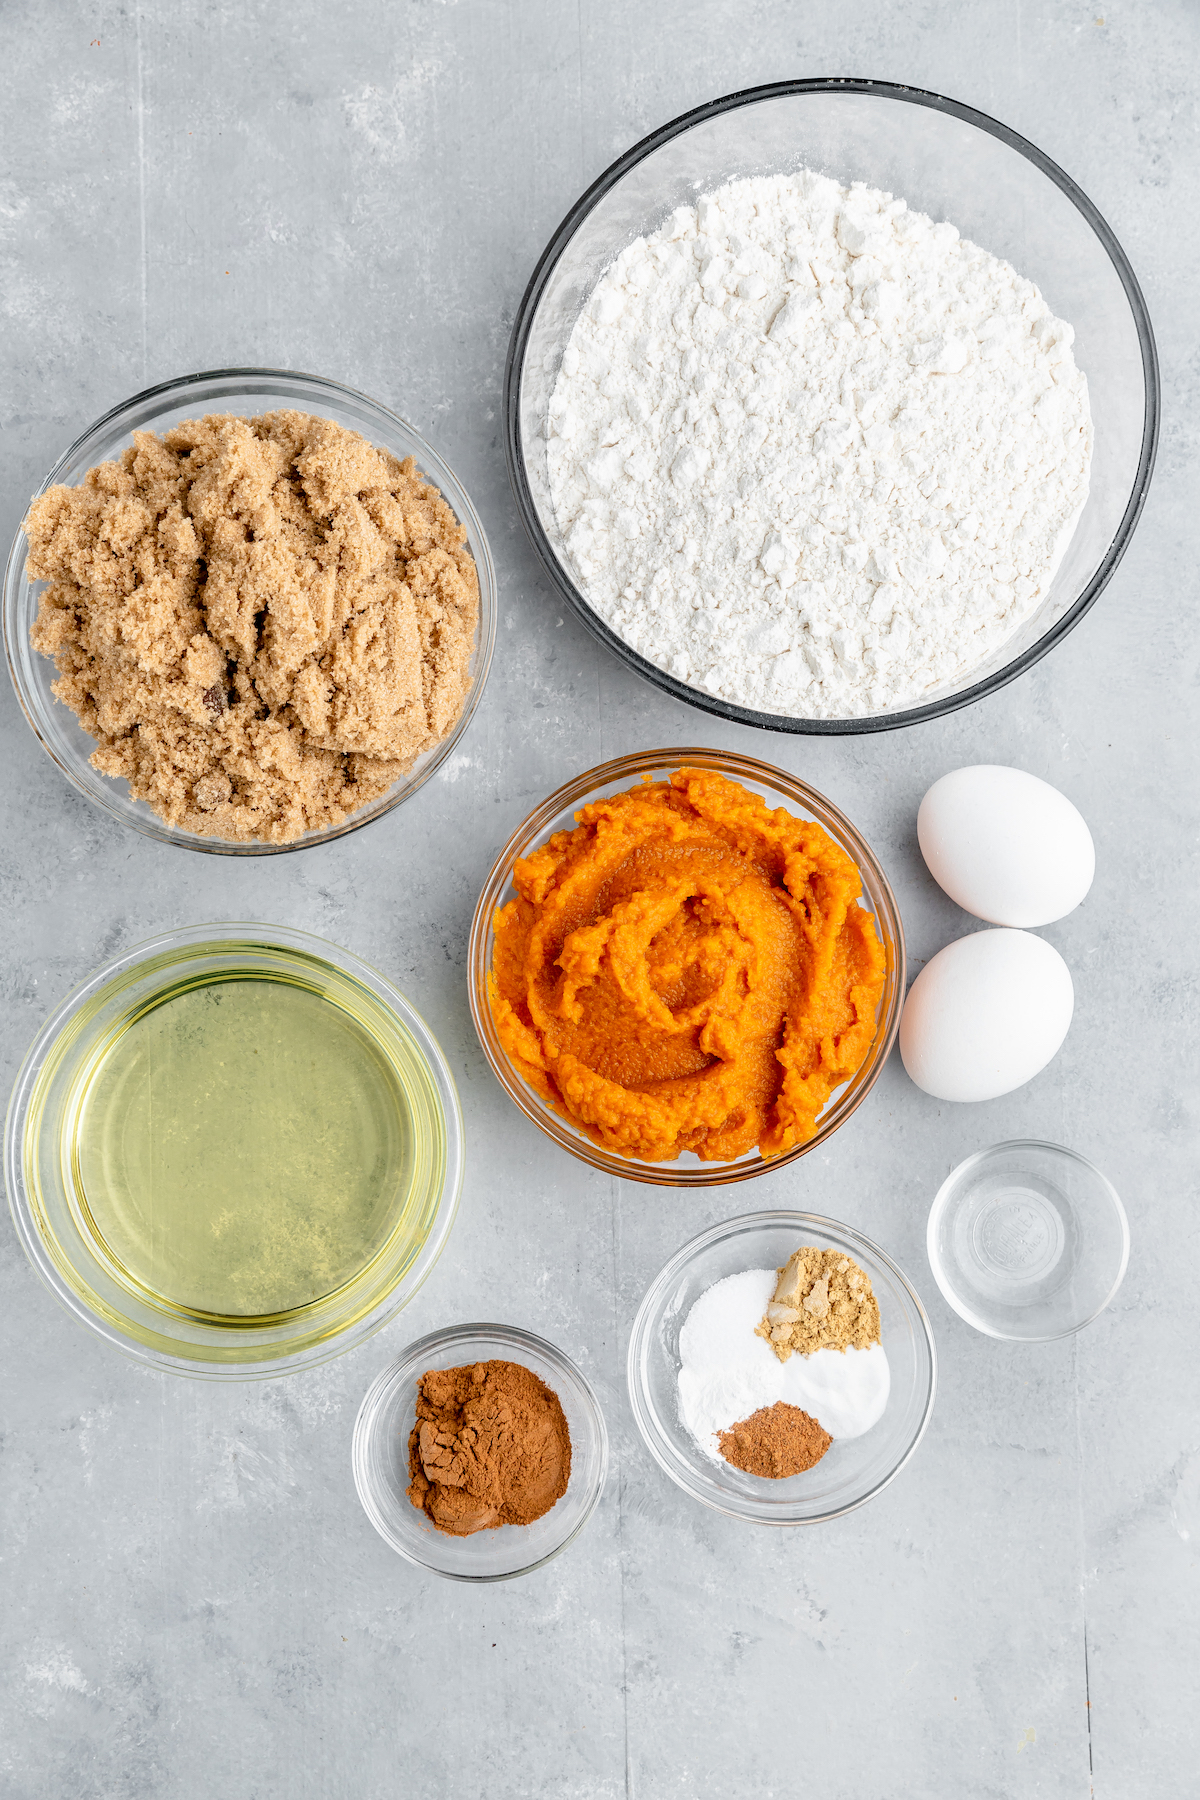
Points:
x=490, y=1447
x=822, y=1301
x=263, y=622
x=776, y=1441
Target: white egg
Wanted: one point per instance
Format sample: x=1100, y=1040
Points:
x=1007, y=847
x=985, y=1015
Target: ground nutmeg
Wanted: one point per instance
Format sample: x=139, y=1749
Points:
x=775, y=1441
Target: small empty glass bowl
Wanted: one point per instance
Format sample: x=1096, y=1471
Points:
x=945, y=159
x=248, y=392
x=1028, y=1241
x=380, y=1457
x=853, y=1470
x=779, y=789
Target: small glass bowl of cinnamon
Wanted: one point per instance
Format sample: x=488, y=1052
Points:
x=381, y=1456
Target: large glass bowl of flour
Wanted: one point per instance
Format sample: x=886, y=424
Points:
x=945, y=160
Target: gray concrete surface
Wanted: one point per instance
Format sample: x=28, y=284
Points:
x=192, y=1602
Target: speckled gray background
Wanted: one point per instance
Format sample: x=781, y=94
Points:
x=193, y=1603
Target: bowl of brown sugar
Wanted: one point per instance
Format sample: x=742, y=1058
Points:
x=249, y=611
x=481, y=1453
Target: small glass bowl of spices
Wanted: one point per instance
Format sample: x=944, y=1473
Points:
x=781, y=1368
x=481, y=1453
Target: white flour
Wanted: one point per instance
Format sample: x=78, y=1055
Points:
x=813, y=453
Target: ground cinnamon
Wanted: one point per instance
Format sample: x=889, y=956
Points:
x=490, y=1447
x=775, y=1441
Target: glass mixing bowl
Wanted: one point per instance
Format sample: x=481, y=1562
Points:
x=1028, y=1241
x=48, y=1190
x=247, y=392
x=380, y=1457
x=945, y=159
x=853, y=1470
x=557, y=813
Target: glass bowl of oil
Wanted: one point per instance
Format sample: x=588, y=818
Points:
x=234, y=1151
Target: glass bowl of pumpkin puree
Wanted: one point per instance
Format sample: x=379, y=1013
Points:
x=687, y=967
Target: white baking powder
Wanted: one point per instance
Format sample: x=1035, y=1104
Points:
x=812, y=452
x=726, y=1373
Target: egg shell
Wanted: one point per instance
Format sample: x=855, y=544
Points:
x=986, y=1015
x=1005, y=845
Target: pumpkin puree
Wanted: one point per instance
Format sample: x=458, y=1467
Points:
x=687, y=970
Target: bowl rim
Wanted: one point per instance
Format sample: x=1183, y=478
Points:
x=275, y=937
x=941, y=1201
x=398, y=1370
x=745, y=1224
x=736, y=766
x=434, y=468
x=514, y=366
